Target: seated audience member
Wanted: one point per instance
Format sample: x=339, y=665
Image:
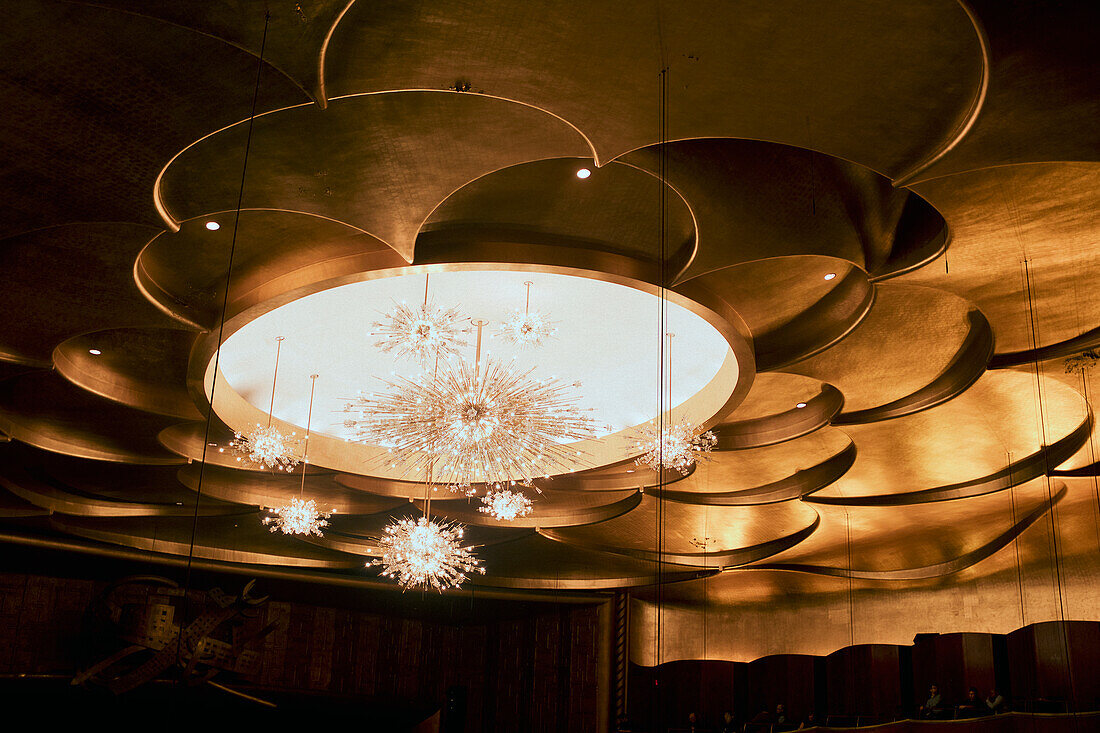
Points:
x=972, y=707
x=779, y=721
x=693, y=723
x=933, y=706
x=995, y=702
x=728, y=726
x=809, y=722
x=761, y=723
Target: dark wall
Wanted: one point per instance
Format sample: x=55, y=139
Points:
x=537, y=672
x=880, y=682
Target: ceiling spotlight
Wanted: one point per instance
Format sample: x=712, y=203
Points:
x=800, y=405
x=213, y=226
x=583, y=173
x=94, y=352
x=830, y=275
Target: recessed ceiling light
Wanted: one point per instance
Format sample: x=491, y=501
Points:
x=94, y=352
x=213, y=226
x=800, y=405
x=584, y=173
x=830, y=275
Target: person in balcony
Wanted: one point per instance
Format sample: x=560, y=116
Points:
x=973, y=706
x=933, y=706
x=995, y=702
x=728, y=724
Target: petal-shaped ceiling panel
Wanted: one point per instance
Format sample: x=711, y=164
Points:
x=778, y=407
x=754, y=200
x=915, y=348
x=269, y=489
x=700, y=536
x=615, y=209
x=241, y=538
x=274, y=252
x=793, y=306
x=294, y=41
x=384, y=178
x=1047, y=214
x=69, y=280
x=956, y=448
x=876, y=83
x=96, y=101
x=144, y=368
x=1042, y=85
x=43, y=410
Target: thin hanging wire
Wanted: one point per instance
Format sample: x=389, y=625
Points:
x=305, y=445
x=274, y=378
x=221, y=321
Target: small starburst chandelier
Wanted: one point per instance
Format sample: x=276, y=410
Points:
x=267, y=446
x=526, y=328
x=505, y=505
x=672, y=445
x=424, y=333
x=426, y=554
x=491, y=423
x=301, y=515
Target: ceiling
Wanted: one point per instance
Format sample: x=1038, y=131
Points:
x=938, y=158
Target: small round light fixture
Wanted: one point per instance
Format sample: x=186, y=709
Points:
x=830, y=275
x=213, y=226
x=800, y=405
x=583, y=173
x=94, y=352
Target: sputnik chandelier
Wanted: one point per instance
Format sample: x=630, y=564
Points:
x=426, y=554
x=267, y=446
x=526, y=328
x=300, y=515
x=505, y=505
x=672, y=444
x=425, y=333
x=488, y=422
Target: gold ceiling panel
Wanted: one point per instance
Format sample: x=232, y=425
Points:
x=43, y=410
x=967, y=439
x=916, y=347
x=144, y=368
x=241, y=538
x=12, y=507
x=778, y=407
x=295, y=39
x=754, y=200
x=855, y=79
x=617, y=209
x=1043, y=87
x=549, y=508
x=1046, y=213
x=384, y=178
x=702, y=536
x=96, y=101
x=68, y=280
x=274, y=252
x=274, y=489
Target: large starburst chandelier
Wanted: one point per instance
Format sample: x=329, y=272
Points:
x=673, y=446
x=505, y=505
x=426, y=554
x=266, y=446
x=670, y=444
x=424, y=333
x=489, y=422
x=300, y=515
x=526, y=327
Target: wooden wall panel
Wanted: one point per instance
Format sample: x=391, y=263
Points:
x=864, y=681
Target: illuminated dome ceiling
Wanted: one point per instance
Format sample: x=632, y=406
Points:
x=880, y=250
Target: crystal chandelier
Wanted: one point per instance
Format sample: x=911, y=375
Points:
x=267, y=446
x=426, y=554
x=505, y=504
x=678, y=445
x=301, y=515
x=526, y=328
x=424, y=333
x=485, y=423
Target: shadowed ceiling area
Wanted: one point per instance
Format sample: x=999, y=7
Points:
x=886, y=216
